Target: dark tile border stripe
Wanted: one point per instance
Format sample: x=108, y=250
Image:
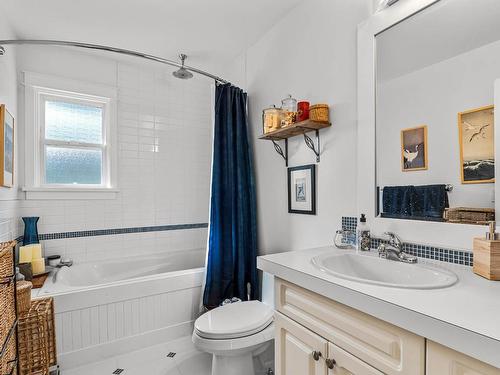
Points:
x=430, y=252
x=115, y=231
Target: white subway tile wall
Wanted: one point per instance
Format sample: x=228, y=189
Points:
x=8, y=220
x=164, y=148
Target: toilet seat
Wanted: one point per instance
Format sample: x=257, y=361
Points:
x=235, y=320
x=234, y=346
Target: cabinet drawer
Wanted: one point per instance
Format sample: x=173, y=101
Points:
x=387, y=348
x=347, y=364
x=442, y=360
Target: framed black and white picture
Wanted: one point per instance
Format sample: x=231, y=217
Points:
x=302, y=190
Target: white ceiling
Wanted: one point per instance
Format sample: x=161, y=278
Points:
x=440, y=32
x=211, y=32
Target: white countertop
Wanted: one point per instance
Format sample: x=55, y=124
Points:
x=464, y=317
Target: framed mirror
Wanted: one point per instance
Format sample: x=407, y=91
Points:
x=427, y=72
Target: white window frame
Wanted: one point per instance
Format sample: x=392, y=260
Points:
x=39, y=88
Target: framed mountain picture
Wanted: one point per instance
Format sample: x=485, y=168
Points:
x=477, y=146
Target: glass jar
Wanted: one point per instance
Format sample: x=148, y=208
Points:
x=271, y=119
x=289, y=104
x=289, y=107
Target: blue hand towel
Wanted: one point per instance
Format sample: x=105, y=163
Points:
x=426, y=202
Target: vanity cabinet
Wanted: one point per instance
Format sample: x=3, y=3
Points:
x=318, y=336
x=354, y=335
x=443, y=360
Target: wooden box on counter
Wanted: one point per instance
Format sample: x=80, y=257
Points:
x=487, y=258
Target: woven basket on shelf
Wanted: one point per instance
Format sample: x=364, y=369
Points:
x=37, y=346
x=469, y=215
x=319, y=112
x=23, y=296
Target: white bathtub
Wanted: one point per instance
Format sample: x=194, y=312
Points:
x=115, y=306
x=124, y=270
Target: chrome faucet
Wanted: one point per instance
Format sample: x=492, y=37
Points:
x=394, y=250
x=62, y=263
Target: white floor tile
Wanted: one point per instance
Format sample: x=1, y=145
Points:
x=153, y=360
x=199, y=364
x=98, y=368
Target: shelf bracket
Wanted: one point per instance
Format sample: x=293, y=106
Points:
x=279, y=150
x=310, y=143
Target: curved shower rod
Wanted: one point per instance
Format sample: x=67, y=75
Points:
x=108, y=49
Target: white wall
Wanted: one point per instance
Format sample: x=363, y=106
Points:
x=311, y=54
x=434, y=96
x=8, y=96
x=164, y=139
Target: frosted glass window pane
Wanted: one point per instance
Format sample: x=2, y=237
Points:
x=66, y=121
x=72, y=166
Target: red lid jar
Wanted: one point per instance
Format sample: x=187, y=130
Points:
x=302, y=111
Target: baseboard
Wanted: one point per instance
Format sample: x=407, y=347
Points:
x=102, y=352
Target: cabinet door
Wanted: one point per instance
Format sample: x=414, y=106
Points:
x=294, y=349
x=442, y=360
x=346, y=364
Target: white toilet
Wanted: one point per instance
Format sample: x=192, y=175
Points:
x=234, y=334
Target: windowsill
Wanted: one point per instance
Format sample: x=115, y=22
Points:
x=70, y=193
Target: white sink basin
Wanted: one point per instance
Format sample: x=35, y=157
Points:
x=372, y=270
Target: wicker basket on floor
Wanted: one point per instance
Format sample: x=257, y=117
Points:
x=23, y=296
x=7, y=307
x=6, y=265
x=37, y=349
x=8, y=363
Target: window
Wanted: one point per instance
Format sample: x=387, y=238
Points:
x=73, y=141
x=72, y=138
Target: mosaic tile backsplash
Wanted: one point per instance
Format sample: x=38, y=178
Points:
x=422, y=251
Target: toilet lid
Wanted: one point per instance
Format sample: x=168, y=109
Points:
x=234, y=320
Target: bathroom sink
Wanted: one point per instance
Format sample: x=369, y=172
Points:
x=372, y=270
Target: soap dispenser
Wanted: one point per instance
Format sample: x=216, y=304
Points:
x=487, y=254
x=363, y=238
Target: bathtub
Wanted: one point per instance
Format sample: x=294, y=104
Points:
x=115, y=306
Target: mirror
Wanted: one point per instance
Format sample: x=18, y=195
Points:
x=435, y=74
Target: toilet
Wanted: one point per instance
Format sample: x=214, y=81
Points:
x=234, y=334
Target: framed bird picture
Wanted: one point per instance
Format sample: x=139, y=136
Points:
x=414, y=149
x=477, y=146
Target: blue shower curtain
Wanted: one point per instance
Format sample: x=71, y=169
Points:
x=232, y=245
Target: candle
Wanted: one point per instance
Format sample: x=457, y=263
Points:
x=36, y=251
x=25, y=254
x=38, y=266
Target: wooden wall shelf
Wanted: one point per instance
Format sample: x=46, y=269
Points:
x=299, y=128
x=295, y=129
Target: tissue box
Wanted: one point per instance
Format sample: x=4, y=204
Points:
x=487, y=258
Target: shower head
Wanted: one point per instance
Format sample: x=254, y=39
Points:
x=182, y=73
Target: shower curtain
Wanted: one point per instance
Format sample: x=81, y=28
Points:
x=232, y=244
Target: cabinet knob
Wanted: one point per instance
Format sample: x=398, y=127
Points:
x=316, y=355
x=330, y=363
